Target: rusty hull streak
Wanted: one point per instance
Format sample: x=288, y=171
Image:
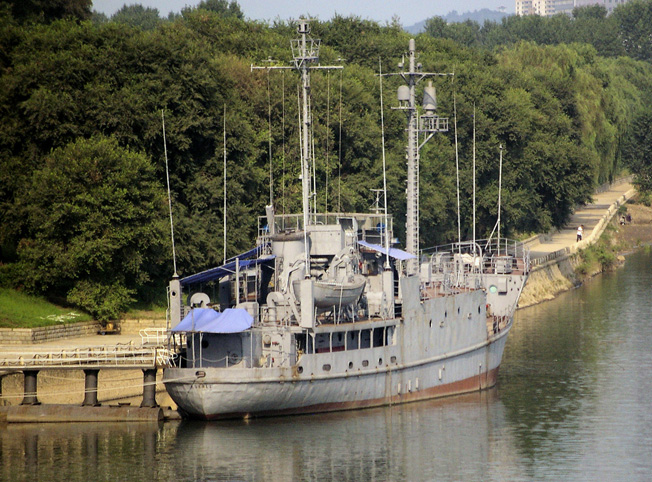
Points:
x=473, y=384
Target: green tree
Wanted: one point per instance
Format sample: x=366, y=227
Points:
x=95, y=226
x=634, y=20
x=138, y=16
x=50, y=10
x=222, y=7
x=638, y=151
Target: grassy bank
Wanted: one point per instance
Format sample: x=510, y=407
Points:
x=18, y=310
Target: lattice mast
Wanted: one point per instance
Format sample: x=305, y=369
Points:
x=428, y=123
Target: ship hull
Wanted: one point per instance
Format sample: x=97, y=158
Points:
x=217, y=393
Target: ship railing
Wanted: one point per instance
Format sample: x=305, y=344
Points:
x=205, y=362
x=119, y=355
x=279, y=356
x=485, y=256
x=153, y=336
x=365, y=225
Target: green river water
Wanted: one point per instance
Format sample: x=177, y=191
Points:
x=573, y=403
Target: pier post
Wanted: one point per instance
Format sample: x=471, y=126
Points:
x=29, y=397
x=90, y=388
x=149, y=388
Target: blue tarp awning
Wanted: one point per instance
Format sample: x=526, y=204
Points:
x=393, y=252
x=207, y=320
x=229, y=267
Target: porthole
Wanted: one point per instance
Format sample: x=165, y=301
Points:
x=326, y=367
x=445, y=314
x=479, y=310
x=380, y=361
x=430, y=324
x=365, y=363
x=458, y=310
x=393, y=359
x=300, y=370
x=350, y=365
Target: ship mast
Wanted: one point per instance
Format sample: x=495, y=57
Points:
x=305, y=53
x=305, y=50
x=428, y=124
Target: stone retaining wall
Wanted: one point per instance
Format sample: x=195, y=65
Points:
x=133, y=326
x=19, y=336
x=24, y=336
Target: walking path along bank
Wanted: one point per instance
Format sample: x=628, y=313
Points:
x=554, y=257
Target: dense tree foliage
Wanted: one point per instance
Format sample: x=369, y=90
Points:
x=49, y=10
x=604, y=106
x=138, y=16
x=94, y=216
x=82, y=173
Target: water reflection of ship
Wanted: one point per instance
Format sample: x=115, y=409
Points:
x=459, y=438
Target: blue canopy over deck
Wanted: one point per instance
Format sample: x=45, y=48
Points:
x=229, y=268
x=207, y=320
x=393, y=252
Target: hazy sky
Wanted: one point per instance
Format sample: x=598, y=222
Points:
x=409, y=11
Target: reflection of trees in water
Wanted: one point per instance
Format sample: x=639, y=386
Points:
x=72, y=452
x=554, y=360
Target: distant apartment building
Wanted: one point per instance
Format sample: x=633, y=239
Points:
x=608, y=4
x=524, y=7
x=548, y=8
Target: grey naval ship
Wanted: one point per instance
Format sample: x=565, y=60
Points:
x=325, y=312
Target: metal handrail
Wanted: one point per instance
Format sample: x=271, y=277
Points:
x=101, y=357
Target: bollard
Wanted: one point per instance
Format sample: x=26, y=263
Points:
x=149, y=388
x=90, y=388
x=30, y=388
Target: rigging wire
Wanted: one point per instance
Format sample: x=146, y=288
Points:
x=382, y=127
x=339, y=163
x=224, y=187
x=474, y=178
x=500, y=187
x=457, y=171
x=313, y=159
x=167, y=176
x=300, y=131
x=283, y=123
x=328, y=125
x=269, y=120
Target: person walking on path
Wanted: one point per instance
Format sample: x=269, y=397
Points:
x=580, y=233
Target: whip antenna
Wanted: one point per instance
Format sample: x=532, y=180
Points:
x=167, y=176
x=382, y=125
x=224, y=189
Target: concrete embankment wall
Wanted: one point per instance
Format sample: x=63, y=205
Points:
x=30, y=336
x=547, y=281
x=556, y=272
x=23, y=336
